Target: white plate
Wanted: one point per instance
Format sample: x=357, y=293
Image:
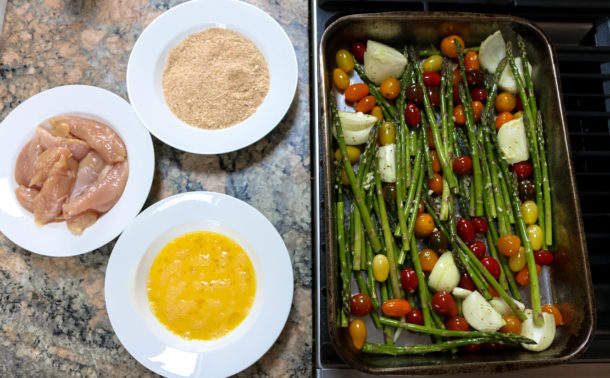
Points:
x=54, y=239
x=149, y=54
x=127, y=301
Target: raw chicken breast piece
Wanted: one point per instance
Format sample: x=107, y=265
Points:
x=25, y=196
x=80, y=222
x=24, y=167
x=79, y=148
x=88, y=171
x=54, y=193
x=99, y=136
x=103, y=194
x=51, y=162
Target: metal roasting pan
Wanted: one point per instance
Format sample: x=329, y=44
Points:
x=568, y=281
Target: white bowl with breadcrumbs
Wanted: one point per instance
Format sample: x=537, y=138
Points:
x=158, y=109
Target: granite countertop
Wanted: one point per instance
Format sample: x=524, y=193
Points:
x=53, y=318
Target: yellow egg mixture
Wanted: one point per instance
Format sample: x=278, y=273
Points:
x=201, y=285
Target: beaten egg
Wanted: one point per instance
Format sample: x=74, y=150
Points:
x=201, y=285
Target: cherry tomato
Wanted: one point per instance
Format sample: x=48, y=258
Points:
x=436, y=183
x=377, y=113
x=444, y=304
x=358, y=49
x=438, y=241
x=457, y=323
x=462, y=165
x=345, y=60
x=543, y=257
x=412, y=114
x=472, y=347
x=492, y=291
x=553, y=310
x=523, y=169
x=431, y=79
x=466, y=282
x=509, y=244
x=465, y=230
x=353, y=154
x=529, y=211
x=456, y=95
x=381, y=267
x=424, y=225
x=357, y=331
x=475, y=79
x=430, y=138
x=478, y=94
x=387, y=133
x=456, y=77
x=389, y=192
x=414, y=93
x=477, y=109
x=478, y=248
x=503, y=118
x=396, y=307
x=518, y=261
x=356, y=92
x=408, y=280
x=340, y=79
x=434, y=160
x=360, y=304
x=518, y=104
x=480, y=225
x=492, y=266
x=390, y=88
x=448, y=46
x=518, y=114
x=523, y=277
x=433, y=63
x=513, y=325
x=421, y=208
x=505, y=102
x=495, y=346
x=433, y=96
x=427, y=259
x=366, y=104
x=415, y=316
x=458, y=115
x=536, y=236
x=471, y=61
x=526, y=189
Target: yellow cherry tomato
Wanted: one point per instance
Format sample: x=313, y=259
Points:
x=387, y=134
x=529, y=210
x=345, y=60
x=536, y=236
x=433, y=63
x=377, y=113
x=353, y=154
x=344, y=178
x=381, y=267
x=340, y=79
x=357, y=331
x=518, y=114
x=518, y=261
x=390, y=88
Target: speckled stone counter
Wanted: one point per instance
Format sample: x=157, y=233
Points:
x=53, y=319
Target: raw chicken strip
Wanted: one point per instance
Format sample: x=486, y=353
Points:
x=103, y=194
x=88, y=171
x=54, y=192
x=24, y=167
x=99, y=136
x=83, y=220
x=79, y=148
x=51, y=162
x=25, y=196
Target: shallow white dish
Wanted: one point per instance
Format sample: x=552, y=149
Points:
x=145, y=337
x=54, y=239
x=149, y=54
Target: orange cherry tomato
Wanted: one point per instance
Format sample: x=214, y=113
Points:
x=523, y=277
x=356, y=92
x=477, y=109
x=396, y=307
x=553, y=310
x=448, y=46
x=366, y=104
x=390, y=88
x=456, y=78
x=436, y=183
x=357, y=331
x=421, y=208
x=471, y=61
x=377, y=113
x=505, y=102
x=436, y=163
x=427, y=259
x=424, y=225
x=513, y=325
x=503, y=118
x=508, y=244
x=458, y=115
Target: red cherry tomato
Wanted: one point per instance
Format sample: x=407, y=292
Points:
x=492, y=266
x=457, y=323
x=412, y=114
x=414, y=93
x=436, y=183
x=495, y=346
x=478, y=94
x=408, y=280
x=444, y=304
x=415, y=316
x=478, y=248
x=466, y=282
x=518, y=104
x=456, y=96
x=480, y=225
x=523, y=169
x=543, y=257
x=396, y=307
x=462, y=165
x=433, y=96
x=358, y=49
x=431, y=79
x=472, y=347
x=356, y=92
x=465, y=230
x=360, y=304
